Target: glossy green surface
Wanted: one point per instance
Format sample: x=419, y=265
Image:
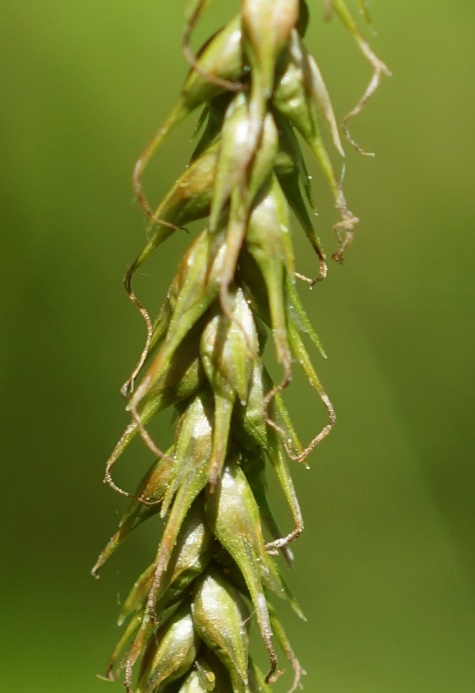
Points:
x=385, y=570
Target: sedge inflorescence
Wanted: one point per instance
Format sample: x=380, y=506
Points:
x=215, y=573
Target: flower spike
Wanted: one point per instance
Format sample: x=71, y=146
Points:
x=210, y=585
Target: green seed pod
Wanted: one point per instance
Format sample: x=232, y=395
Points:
x=146, y=504
x=233, y=516
x=268, y=242
x=253, y=432
x=228, y=345
x=264, y=159
x=220, y=614
x=294, y=98
x=174, y=650
x=188, y=200
x=193, y=444
x=194, y=476
x=197, y=284
x=236, y=153
x=248, y=550
x=189, y=558
x=159, y=330
x=181, y=381
x=184, y=376
x=191, y=554
x=251, y=427
x=221, y=58
x=156, y=333
x=244, y=169
x=267, y=26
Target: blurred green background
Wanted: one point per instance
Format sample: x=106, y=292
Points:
x=386, y=568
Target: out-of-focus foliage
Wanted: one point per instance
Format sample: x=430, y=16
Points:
x=386, y=569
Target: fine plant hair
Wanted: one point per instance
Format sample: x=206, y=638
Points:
x=193, y=613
